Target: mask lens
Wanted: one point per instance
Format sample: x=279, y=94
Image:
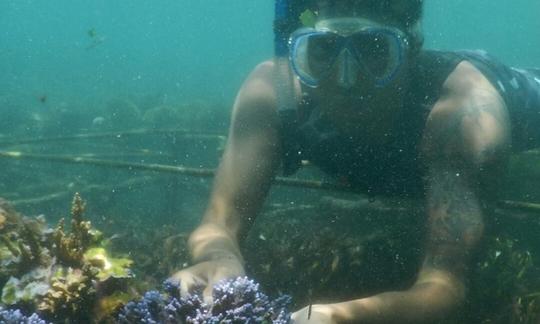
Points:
x=379, y=52
x=322, y=51
x=313, y=55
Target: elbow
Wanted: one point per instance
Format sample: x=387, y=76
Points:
x=443, y=295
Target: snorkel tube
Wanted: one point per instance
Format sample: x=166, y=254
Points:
x=286, y=100
x=281, y=28
x=286, y=21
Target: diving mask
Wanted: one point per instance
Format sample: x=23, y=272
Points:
x=349, y=46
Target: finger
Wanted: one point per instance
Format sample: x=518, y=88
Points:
x=185, y=281
x=196, y=283
x=184, y=288
x=207, y=294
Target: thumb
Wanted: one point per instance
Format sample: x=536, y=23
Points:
x=187, y=282
x=207, y=293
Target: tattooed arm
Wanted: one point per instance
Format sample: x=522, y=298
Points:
x=465, y=145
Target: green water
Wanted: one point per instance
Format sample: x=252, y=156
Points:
x=179, y=48
x=71, y=66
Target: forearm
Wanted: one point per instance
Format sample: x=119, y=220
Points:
x=223, y=224
x=435, y=296
x=226, y=222
x=212, y=241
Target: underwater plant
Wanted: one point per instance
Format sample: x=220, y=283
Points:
x=235, y=301
x=506, y=283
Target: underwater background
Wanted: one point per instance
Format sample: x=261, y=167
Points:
x=128, y=72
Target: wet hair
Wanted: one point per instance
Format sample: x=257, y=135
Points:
x=403, y=14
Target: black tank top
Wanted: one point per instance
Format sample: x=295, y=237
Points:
x=394, y=168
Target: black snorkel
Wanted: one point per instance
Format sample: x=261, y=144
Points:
x=281, y=27
x=285, y=22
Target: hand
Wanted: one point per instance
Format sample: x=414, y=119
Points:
x=208, y=273
x=319, y=314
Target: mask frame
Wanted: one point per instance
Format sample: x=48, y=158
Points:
x=347, y=34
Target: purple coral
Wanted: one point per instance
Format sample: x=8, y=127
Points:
x=147, y=310
x=235, y=301
x=240, y=301
x=15, y=316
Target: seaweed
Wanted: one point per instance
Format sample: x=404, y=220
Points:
x=506, y=286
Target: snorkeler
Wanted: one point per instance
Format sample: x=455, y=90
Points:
x=362, y=100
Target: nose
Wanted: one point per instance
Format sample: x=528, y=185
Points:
x=348, y=69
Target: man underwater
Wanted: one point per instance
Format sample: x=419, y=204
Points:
x=370, y=106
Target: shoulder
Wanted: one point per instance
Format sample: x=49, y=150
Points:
x=259, y=84
x=467, y=82
x=260, y=91
x=465, y=87
x=469, y=118
x=255, y=106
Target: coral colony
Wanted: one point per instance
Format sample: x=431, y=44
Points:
x=61, y=276
x=55, y=272
x=235, y=301
x=17, y=317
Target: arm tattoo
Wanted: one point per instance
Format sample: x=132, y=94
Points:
x=465, y=149
x=455, y=218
